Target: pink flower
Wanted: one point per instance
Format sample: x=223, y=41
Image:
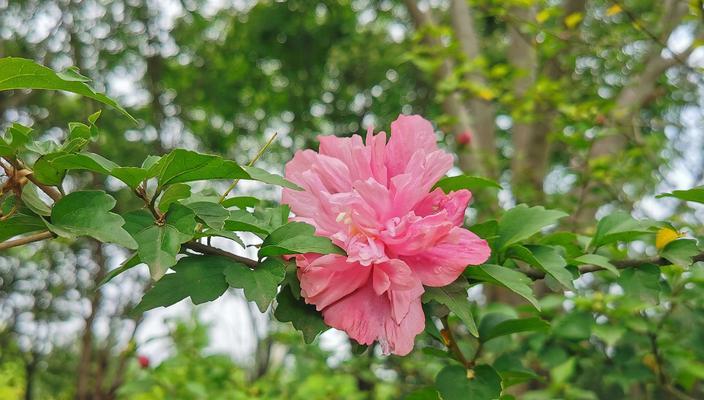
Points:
x=374, y=200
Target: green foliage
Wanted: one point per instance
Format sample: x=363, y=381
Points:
x=260, y=284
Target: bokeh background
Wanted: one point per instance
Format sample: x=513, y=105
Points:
x=588, y=106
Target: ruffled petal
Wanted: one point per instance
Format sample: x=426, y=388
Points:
x=454, y=204
x=409, y=133
x=443, y=263
x=329, y=278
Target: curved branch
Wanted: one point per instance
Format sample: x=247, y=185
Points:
x=619, y=264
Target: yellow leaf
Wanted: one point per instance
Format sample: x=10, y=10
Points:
x=613, y=10
x=485, y=93
x=542, y=16
x=573, y=19
x=665, y=236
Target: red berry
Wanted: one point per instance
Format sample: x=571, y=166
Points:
x=143, y=361
x=464, y=138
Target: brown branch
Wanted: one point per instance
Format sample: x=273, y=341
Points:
x=36, y=237
x=619, y=264
x=210, y=250
x=451, y=344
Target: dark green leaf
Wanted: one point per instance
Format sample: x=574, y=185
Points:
x=212, y=214
x=546, y=259
x=240, y=202
x=87, y=213
x=695, y=195
x=303, y=316
x=514, y=326
x=681, y=251
x=599, y=261
x=454, y=296
x=132, y=176
x=199, y=277
x=619, y=226
x=88, y=161
x=641, y=282
x=259, y=284
x=172, y=194
x=453, y=384
x=30, y=198
x=186, y=166
x=20, y=223
x=131, y=262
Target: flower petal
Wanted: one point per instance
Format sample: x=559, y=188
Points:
x=443, y=263
x=329, y=278
x=409, y=133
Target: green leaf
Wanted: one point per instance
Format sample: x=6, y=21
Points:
x=296, y=238
x=619, y=226
x=303, y=316
x=454, y=296
x=87, y=213
x=158, y=247
x=455, y=183
x=576, y=325
x=510, y=326
x=20, y=223
x=506, y=277
x=132, y=176
x=546, y=259
x=131, y=262
x=15, y=139
x=243, y=221
x=641, y=282
x=241, y=202
x=30, y=198
x=260, y=284
x=512, y=371
x=46, y=172
x=453, y=384
x=199, y=277
x=186, y=166
x=20, y=73
x=212, y=214
x=681, y=251
x=172, y=194
x=695, y=195
x=88, y=161
x=522, y=222
x=600, y=261
x=261, y=175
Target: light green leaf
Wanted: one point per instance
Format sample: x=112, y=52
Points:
x=261, y=175
x=158, y=247
x=243, y=221
x=454, y=296
x=14, y=140
x=522, y=222
x=241, y=202
x=303, y=316
x=260, y=284
x=506, y=277
x=199, y=277
x=619, y=226
x=30, y=198
x=87, y=213
x=695, y=195
x=20, y=73
x=454, y=183
x=681, y=251
x=296, y=238
x=599, y=261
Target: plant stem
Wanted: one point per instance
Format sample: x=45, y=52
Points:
x=36, y=237
x=452, y=344
x=251, y=163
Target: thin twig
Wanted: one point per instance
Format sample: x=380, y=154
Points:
x=205, y=249
x=251, y=163
x=26, y=240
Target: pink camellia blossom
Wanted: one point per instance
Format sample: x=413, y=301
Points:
x=374, y=200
